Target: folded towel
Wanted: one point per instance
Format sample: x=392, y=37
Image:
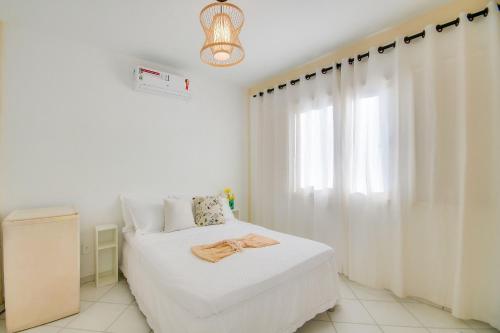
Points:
x=219, y=250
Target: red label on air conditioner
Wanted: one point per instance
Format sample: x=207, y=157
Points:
x=149, y=71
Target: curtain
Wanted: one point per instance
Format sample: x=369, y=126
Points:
x=2, y=300
x=395, y=162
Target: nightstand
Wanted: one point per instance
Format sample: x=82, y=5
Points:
x=236, y=213
x=106, y=254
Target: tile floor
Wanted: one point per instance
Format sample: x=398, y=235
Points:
x=361, y=310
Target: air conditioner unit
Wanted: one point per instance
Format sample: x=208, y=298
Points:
x=160, y=83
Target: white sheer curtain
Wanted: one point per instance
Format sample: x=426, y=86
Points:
x=394, y=161
x=296, y=183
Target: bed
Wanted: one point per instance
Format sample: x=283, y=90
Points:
x=267, y=290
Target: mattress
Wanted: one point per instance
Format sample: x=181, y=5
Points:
x=272, y=289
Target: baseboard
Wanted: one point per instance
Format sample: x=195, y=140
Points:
x=91, y=278
x=87, y=279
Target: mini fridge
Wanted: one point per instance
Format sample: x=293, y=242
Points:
x=41, y=266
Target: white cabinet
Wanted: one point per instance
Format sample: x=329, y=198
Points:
x=106, y=254
x=41, y=266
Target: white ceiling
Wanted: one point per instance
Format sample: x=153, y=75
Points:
x=277, y=35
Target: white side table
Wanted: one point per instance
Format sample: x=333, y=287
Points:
x=106, y=254
x=236, y=213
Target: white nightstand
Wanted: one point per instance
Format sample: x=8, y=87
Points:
x=106, y=254
x=236, y=213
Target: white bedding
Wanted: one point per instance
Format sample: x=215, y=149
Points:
x=272, y=289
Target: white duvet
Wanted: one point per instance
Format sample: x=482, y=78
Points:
x=270, y=289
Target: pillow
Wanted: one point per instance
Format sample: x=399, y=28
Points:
x=146, y=215
x=178, y=214
x=127, y=218
x=208, y=211
x=226, y=210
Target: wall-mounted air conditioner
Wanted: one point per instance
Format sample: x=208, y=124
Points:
x=161, y=83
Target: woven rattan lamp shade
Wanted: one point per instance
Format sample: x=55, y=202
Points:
x=222, y=24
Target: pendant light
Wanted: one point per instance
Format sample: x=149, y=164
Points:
x=222, y=22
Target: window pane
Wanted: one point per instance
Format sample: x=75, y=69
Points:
x=314, y=155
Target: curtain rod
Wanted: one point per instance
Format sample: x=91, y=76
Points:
x=408, y=39
x=381, y=49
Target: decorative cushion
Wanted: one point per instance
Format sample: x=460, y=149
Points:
x=208, y=211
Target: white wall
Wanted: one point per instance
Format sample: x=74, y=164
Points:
x=73, y=132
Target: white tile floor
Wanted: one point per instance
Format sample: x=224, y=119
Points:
x=361, y=310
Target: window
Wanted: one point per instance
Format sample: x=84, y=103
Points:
x=314, y=149
x=369, y=147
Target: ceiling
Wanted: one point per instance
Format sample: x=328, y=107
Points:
x=277, y=35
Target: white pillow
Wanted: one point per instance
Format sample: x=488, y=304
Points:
x=146, y=215
x=127, y=218
x=226, y=210
x=178, y=214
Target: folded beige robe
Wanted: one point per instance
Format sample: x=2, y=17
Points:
x=219, y=250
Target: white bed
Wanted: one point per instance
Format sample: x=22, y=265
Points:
x=267, y=290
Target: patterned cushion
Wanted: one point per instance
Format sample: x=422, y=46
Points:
x=208, y=211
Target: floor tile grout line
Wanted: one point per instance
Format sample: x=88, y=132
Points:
x=118, y=303
x=457, y=328
x=369, y=313
x=416, y=318
x=116, y=319
x=86, y=330
x=400, y=302
x=77, y=314
x=396, y=300
x=435, y=306
x=406, y=305
x=363, y=324
x=371, y=324
x=393, y=300
x=333, y=325
x=93, y=304
x=107, y=292
x=355, y=295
